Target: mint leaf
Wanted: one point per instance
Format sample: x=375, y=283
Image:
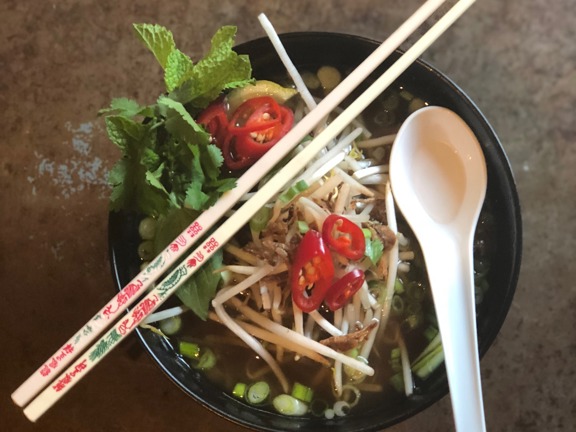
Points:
x=198, y=291
x=157, y=39
x=220, y=69
x=123, y=131
x=178, y=69
x=127, y=108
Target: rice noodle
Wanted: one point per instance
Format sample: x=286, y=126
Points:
x=338, y=364
x=331, y=183
x=241, y=254
x=252, y=343
x=285, y=58
x=325, y=324
x=309, y=326
x=164, y=314
x=376, y=142
x=343, y=199
x=239, y=269
x=300, y=339
x=265, y=294
x=228, y=292
x=298, y=319
x=406, y=369
x=354, y=183
x=366, y=172
x=313, y=173
x=369, y=343
x=268, y=336
x=374, y=179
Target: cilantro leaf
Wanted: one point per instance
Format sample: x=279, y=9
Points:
x=180, y=123
x=198, y=291
x=374, y=249
x=195, y=198
x=130, y=179
x=157, y=39
x=212, y=160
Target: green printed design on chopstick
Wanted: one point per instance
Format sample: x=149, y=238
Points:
x=166, y=286
x=104, y=345
x=157, y=264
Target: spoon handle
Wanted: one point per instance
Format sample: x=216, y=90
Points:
x=451, y=276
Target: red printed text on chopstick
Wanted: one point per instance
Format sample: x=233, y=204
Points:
x=122, y=298
x=179, y=242
x=53, y=363
x=69, y=377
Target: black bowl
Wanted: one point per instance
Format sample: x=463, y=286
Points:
x=309, y=51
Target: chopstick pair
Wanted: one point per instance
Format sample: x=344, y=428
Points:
x=54, y=389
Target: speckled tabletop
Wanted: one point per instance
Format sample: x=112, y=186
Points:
x=60, y=62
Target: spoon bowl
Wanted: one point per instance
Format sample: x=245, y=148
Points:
x=438, y=177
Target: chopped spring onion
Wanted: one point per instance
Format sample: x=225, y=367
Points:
x=341, y=408
x=258, y=392
x=351, y=394
x=429, y=363
x=353, y=374
x=293, y=191
x=412, y=321
x=147, y=228
x=397, y=382
x=206, y=361
x=171, y=326
x=239, y=390
x=302, y=392
x=200, y=358
x=429, y=360
x=397, y=304
x=303, y=227
x=289, y=405
x=395, y=362
x=398, y=286
x=329, y=413
x=189, y=349
x=260, y=219
x=430, y=333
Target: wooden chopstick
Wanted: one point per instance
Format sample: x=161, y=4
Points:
x=161, y=292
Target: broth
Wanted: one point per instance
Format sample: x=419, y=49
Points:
x=234, y=358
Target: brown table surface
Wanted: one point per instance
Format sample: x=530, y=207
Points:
x=60, y=62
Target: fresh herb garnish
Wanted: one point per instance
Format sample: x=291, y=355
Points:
x=169, y=164
x=168, y=160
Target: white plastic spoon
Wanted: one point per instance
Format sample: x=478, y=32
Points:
x=438, y=178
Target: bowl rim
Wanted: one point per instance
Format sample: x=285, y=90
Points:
x=505, y=174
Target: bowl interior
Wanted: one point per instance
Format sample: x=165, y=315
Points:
x=309, y=51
